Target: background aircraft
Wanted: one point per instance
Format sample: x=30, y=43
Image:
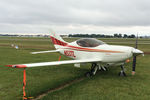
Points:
x=89, y=50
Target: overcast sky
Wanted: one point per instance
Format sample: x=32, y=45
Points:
x=75, y=16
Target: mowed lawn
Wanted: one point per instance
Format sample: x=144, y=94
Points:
x=103, y=86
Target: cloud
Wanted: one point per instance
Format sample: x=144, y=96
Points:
x=76, y=15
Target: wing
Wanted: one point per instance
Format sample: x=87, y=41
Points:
x=44, y=51
x=53, y=63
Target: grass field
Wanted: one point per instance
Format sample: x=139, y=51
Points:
x=103, y=86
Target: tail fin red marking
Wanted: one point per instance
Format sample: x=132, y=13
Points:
x=57, y=42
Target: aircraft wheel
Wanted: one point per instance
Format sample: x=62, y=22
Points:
x=122, y=73
x=88, y=74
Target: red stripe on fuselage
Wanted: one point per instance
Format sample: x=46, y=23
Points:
x=58, y=42
x=94, y=50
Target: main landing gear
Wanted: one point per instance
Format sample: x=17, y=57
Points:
x=122, y=72
x=94, y=69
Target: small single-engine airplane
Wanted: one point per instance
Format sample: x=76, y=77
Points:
x=89, y=50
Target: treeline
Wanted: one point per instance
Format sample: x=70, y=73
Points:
x=102, y=36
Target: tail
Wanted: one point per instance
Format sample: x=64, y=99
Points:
x=57, y=40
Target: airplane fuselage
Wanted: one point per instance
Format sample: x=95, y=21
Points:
x=107, y=53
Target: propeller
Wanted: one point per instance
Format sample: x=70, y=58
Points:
x=134, y=57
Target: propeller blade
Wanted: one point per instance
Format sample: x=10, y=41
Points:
x=134, y=57
x=134, y=65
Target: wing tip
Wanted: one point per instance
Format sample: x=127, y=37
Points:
x=16, y=66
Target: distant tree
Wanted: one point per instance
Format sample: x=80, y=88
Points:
x=125, y=36
x=115, y=35
x=70, y=35
x=131, y=36
x=120, y=36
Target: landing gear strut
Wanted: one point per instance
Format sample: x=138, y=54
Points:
x=94, y=69
x=122, y=72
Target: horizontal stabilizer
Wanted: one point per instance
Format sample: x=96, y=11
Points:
x=45, y=51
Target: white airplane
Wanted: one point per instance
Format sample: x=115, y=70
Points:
x=89, y=50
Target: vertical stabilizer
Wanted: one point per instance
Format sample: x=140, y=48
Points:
x=57, y=40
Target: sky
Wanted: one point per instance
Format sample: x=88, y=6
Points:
x=75, y=16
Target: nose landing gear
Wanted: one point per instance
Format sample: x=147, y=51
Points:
x=122, y=72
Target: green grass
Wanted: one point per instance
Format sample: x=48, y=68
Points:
x=103, y=86
x=109, y=86
x=38, y=79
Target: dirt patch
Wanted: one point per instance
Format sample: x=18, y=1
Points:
x=147, y=53
x=59, y=88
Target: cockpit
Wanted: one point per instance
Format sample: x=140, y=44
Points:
x=89, y=42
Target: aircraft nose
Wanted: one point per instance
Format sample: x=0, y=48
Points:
x=137, y=52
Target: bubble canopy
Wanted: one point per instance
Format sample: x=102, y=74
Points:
x=89, y=42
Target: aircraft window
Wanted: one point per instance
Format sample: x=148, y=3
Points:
x=88, y=42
